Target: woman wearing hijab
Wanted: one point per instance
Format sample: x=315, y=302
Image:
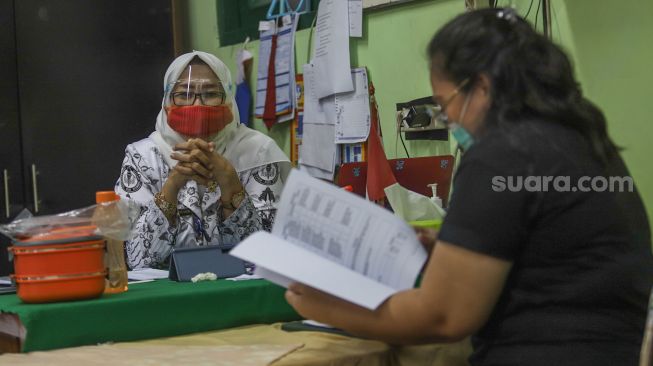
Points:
x=548, y=275
x=201, y=177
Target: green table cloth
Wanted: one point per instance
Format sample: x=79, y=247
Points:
x=150, y=310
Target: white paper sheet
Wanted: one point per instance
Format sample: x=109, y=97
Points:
x=147, y=274
x=286, y=117
x=349, y=230
x=264, y=48
x=353, y=110
x=242, y=56
x=282, y=263
x=316, y=324
x=316, y=111
x=316, y=172
x=285, y=66
x=331, y=56
x=244, y=277
x=318, y=148
x=337, y=242
x=355, y=18
x=135, y=282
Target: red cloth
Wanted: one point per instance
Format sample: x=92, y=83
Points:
x=379, y=173
x=270, y=110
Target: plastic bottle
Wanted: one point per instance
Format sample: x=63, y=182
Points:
x=437, y=200
x=114, y=258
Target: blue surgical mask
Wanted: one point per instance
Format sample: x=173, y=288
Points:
x=462, y=136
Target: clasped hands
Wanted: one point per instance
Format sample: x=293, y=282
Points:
x=198, y=161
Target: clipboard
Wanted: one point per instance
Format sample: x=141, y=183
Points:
x=185, y=263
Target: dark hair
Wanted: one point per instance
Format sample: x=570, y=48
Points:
x=530, y=75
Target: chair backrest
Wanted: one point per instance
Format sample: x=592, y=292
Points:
x=414, y=174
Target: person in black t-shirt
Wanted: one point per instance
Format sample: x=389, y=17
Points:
x=544, y=256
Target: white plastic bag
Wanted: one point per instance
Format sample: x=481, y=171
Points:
x=114, y=220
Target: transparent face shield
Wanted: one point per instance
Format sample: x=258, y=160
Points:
x=197, y=107
x=188, y=92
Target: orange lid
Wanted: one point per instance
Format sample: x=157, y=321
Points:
x=348, y=188
x=61, y=236
x=106, y=196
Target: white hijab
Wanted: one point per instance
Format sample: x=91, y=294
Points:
x=244, y=147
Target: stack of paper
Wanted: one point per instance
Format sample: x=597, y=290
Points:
x=145, y=274
x=342, y=118
x=336, y=98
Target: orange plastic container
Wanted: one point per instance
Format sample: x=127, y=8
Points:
x=64, y=264
x=40, y=289
x=59, y=252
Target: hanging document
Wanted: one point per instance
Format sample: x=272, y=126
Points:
x=331, y=55
x=284, y=67
x=316, y=111
x=355, y=18
x=336, y=242
x=353, y=110
x=317, y=148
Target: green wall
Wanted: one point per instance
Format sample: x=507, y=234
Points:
x=606, y=40
x=614, y=52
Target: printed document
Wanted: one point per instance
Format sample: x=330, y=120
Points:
x=316, y=111
x=337, y=242
x=355, y=18
x=317, y=148
x=331, y=56
x=144, y=274
x=264, y=50
x=284, y=68
x=353, y=110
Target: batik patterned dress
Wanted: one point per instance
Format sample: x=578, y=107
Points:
x=199, y=217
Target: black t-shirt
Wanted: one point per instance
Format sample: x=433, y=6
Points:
x=582, y=266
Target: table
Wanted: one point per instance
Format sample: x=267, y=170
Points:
x=172, y=314
x=156, y=309
x=315, y=349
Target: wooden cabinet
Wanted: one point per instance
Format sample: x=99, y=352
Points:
x=79, y=80
x=11, y=162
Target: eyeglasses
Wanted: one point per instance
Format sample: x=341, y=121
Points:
x=209, y=98
x=442, y=115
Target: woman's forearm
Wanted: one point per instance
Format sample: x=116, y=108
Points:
x=402, y=319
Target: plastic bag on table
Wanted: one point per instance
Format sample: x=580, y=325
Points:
x=115, y=220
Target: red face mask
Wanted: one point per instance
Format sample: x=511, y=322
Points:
x=199, y=120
